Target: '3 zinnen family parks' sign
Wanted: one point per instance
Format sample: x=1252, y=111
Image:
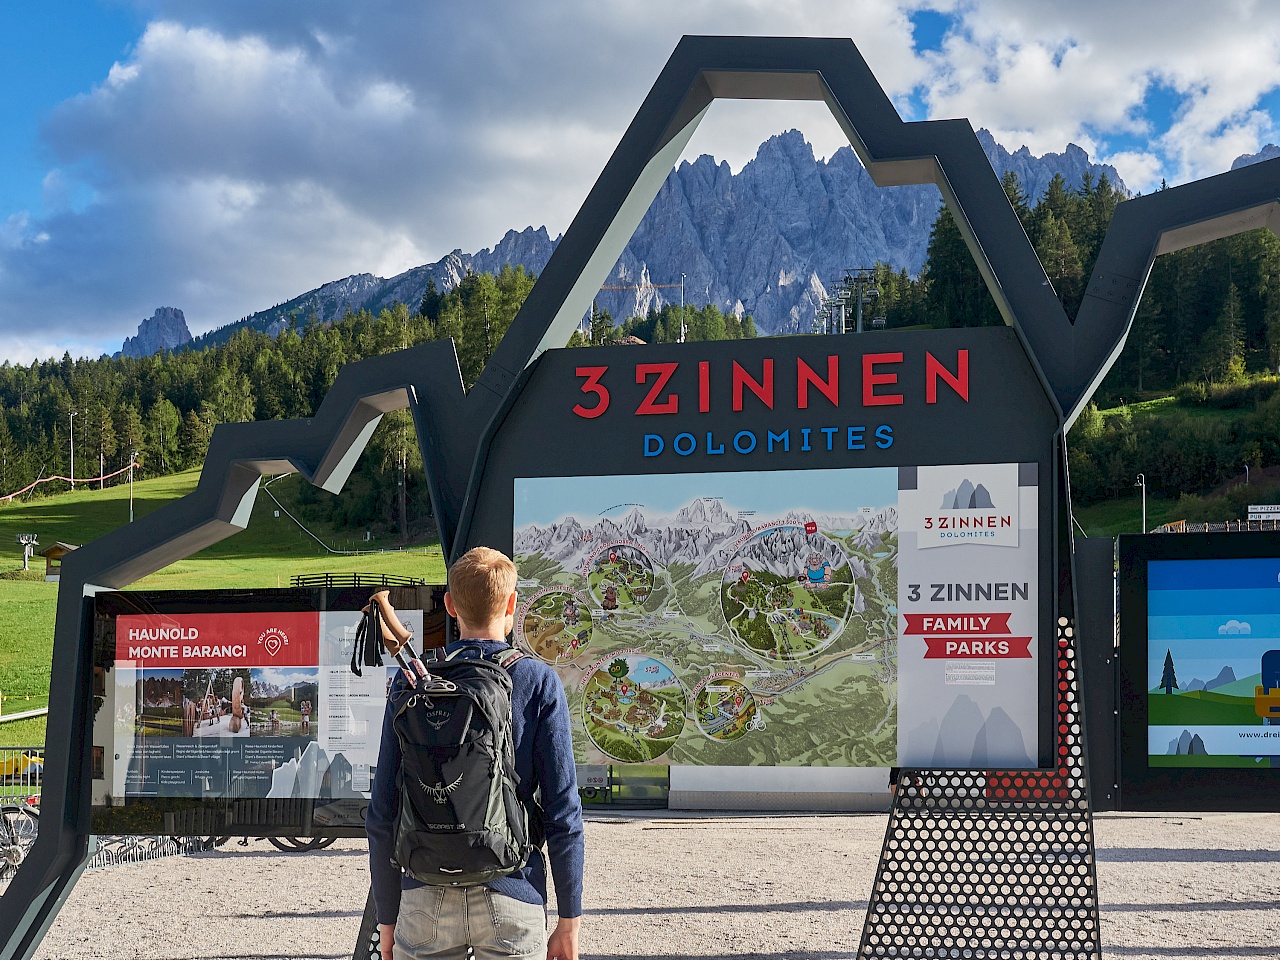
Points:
x=726, y=545
x=789, y=551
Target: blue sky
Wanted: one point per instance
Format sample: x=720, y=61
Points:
x=223, y=157
x=1209, y=614
x=771, y=494
x=79, y=40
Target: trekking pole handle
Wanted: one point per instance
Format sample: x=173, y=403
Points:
x=397, y=638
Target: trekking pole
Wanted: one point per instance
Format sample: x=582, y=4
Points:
x=397, y=638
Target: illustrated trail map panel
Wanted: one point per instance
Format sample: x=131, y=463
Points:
x=848, y=617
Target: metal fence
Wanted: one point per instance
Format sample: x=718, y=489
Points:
x=113, y=851
x=1222, y=526
x=21, y=771
x=344, y=580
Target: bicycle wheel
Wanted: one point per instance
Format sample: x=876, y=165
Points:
x=18, y=829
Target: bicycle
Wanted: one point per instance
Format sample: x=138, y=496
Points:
x=19, y=825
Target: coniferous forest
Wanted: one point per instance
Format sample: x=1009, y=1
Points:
x=1207, y=335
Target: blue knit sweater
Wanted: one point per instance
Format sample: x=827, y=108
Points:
x=544, y=756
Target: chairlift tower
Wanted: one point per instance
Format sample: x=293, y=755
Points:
x=28, y=542
x=857, y=288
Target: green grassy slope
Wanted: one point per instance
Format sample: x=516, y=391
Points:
x=1115, y=517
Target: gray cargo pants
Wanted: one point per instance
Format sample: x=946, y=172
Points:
x=441, y=922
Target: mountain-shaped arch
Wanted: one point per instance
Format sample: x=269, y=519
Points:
x=454, y=430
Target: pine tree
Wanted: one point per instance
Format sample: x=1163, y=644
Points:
x=193, y=438
x=1169, y=680
x=1057, y=251
x=601, y=329
x=956, y=296
x=1017, y=196
x=1224, y=344
x=130, y=433
x=162, y=436
x=8, y=456
x=431, y=299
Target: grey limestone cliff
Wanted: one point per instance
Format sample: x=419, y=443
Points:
x=166, y=329
x=763, y=241
x=1270, y=152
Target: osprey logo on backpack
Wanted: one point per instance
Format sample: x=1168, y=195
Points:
x=461, y=821
x=441, y=793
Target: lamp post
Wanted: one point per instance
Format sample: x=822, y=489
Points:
x=1142, y=482
x=682, y=308
x=73, y=449
x=133, y=456
x=1246, y=474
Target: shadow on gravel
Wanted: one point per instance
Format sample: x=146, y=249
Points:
x=251, y=854
x=1189, y=907
x=296, y=914
x=1163, y=855
x=732, y=908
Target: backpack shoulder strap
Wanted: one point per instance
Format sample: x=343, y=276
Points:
x=503, y=658
x=507, y=658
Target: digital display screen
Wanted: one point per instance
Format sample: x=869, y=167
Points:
x=1213, y=663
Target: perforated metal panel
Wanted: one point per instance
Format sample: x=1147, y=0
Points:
x=992, y=866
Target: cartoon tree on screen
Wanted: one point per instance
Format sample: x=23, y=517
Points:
x=1170, y=680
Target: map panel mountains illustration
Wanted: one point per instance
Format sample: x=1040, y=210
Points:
x=719, y=629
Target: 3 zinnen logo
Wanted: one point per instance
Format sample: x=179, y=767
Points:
x=968, y=512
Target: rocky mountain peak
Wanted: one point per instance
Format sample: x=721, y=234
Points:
x=166, y=329
x=1270, y=152
x=763, y=241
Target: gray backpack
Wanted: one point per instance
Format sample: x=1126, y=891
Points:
x=461, y=822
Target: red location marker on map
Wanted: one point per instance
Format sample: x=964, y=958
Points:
x=746, y=575
x=613, y=556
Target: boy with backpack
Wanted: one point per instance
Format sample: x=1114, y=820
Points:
x=476, y=769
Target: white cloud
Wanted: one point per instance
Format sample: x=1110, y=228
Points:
x=244, y=153
x=1141, y=171
x=1234, y=628
x=1048, y=73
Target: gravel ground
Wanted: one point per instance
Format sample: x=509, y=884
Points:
x=716, y=888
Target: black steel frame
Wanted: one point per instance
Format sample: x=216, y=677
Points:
x=455, y=429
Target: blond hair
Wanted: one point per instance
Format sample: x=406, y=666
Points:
x=480, y=581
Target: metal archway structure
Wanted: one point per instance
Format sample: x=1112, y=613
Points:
x=456, y=430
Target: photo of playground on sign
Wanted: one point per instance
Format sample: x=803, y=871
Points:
x=1213, y=663
x=818, y=617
